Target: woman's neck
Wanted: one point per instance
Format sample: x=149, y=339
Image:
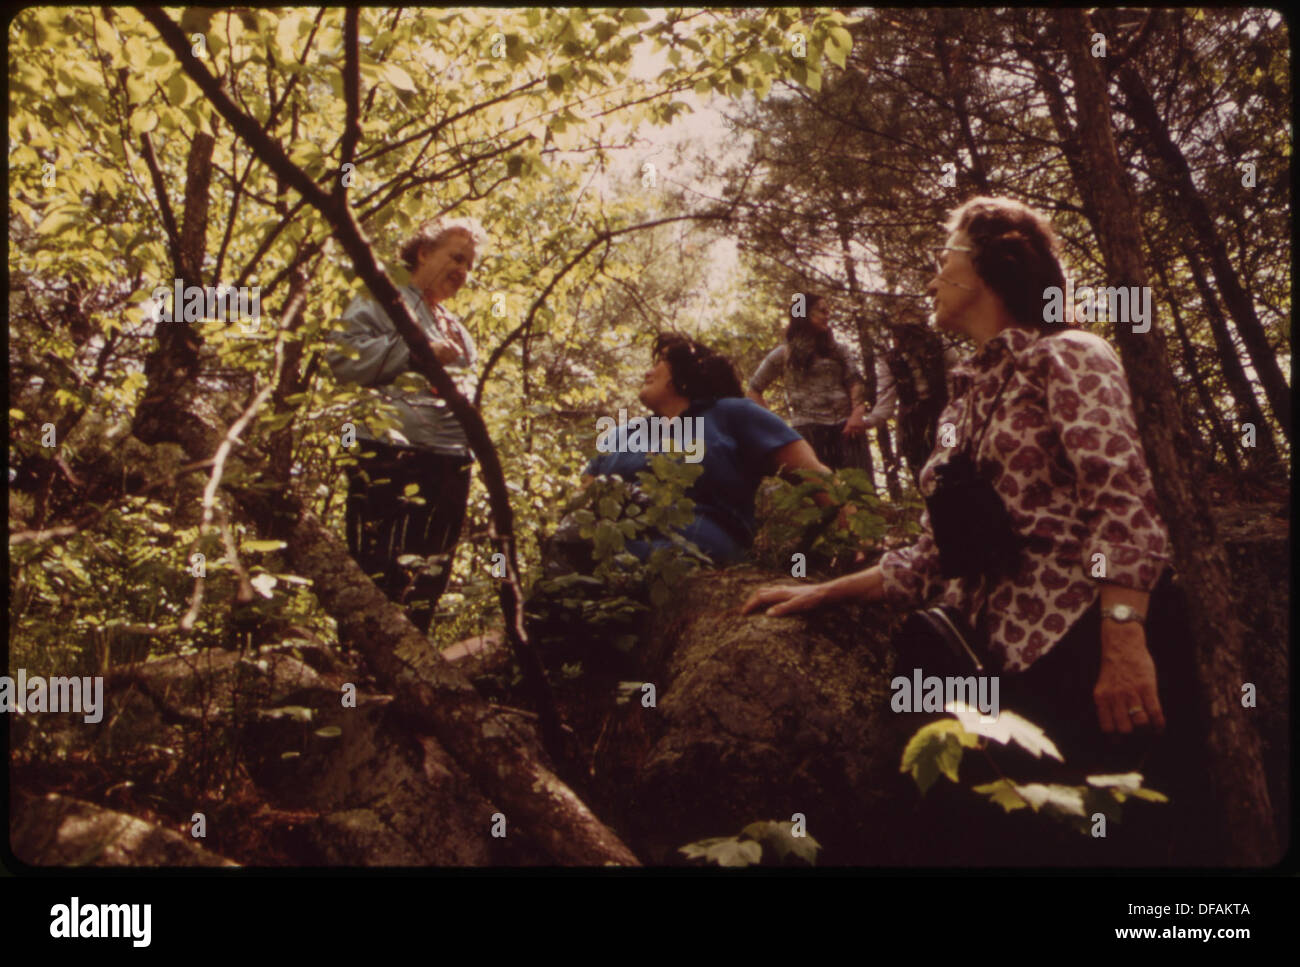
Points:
x=986, y=325
x=674, y=407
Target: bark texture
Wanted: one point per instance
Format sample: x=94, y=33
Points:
x=56, y=830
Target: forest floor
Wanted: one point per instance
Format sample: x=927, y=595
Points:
x=257, y=833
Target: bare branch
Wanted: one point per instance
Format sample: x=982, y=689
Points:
x=599, y=239
x=351, y=88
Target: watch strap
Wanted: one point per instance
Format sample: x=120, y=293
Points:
x=1125, y=613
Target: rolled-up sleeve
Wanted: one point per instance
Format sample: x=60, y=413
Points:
x=911, y=574
x=381, y=353
x=1091, y=410
x=886, y=395
x=768, y=370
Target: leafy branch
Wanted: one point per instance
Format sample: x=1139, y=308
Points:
x=937, y=749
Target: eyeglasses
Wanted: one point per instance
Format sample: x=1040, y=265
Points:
x=936, y=252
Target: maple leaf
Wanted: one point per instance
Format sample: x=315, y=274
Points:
x=1005, y=727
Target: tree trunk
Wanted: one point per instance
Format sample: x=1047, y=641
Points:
x=859, y=317
x=1235, y=763
x=171, y=367
x=437, y=695
x=1218, y=434
x=1147, y=117
x=1234, y=374
x=955, y=77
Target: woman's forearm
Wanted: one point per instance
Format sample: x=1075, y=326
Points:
x=799, y=455
x=868, y=584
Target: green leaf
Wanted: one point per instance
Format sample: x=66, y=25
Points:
x=1150, y=795
x=329, y=732
x=286, y=33
x=398, y=78
x=108, y=40
x=137, y=90
x=836, y=55
x=840, y=43
x=262, y=546
x=936, y=748
x=1067, y=800
x=1126, y=784
x=179, y=91
x=779, y=843
x=1003, y=792
x=56, y=222
x=196, y=20
x=144, y=121
x=724, y=851
x=1006, y=727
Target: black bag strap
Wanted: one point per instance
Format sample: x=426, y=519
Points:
x=974, y=449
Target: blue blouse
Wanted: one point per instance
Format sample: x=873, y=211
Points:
x=739, y=438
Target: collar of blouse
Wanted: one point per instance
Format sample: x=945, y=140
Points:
x=1007, y=344
x=443, y=321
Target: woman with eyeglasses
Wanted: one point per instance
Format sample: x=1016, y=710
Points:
x=1040, y=433
x=823, y=386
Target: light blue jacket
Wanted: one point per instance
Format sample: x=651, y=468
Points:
x=383, y=362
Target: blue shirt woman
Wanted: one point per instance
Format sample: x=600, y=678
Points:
x=739, y=439
x=743, y=443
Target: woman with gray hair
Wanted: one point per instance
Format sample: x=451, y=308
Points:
x=426, y=447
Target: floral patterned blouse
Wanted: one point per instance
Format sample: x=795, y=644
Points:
x=1071, y=472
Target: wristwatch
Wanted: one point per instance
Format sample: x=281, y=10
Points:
x=1123, y=612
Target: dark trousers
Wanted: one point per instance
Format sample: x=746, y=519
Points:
x=832, y=447
x=385, y=523
x=1055, y=693
x=916, y=432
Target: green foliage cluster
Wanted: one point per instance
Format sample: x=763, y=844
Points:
x=850, y=520
x=759, y=844
x=507, y=115
x=602, y=601
x=937, y=749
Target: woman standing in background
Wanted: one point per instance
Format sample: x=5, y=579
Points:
x=823, y=387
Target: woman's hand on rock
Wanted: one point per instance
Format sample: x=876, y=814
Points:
x=779, y=599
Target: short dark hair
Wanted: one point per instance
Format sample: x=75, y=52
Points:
x=1017, y=254
x=698, y=373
